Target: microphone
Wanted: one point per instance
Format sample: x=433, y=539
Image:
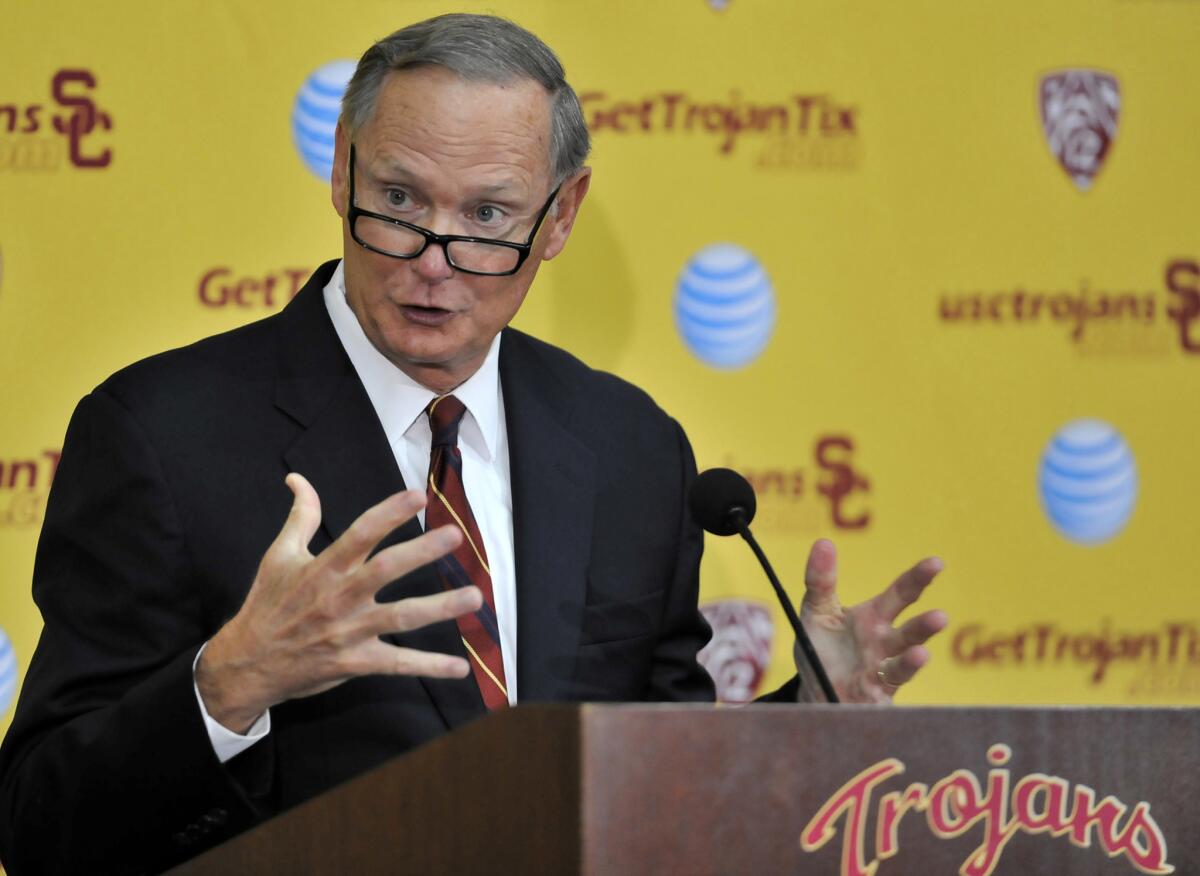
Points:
x=722, y=502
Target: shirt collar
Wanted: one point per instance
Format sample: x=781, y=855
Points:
x=399, y=400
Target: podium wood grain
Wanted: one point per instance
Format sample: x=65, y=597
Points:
x=704, y=790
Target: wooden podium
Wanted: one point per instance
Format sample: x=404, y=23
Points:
x=704, y=790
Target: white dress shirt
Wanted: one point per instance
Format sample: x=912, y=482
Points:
x=400, y=402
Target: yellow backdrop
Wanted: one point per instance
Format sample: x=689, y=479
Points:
x=927, y=272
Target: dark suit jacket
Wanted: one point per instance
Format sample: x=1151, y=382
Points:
x=171, y=487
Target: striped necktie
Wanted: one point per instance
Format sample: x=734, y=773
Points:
x=446, y=503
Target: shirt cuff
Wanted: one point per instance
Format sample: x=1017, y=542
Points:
x=227, y=744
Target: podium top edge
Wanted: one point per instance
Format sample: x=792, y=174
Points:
x=859, y=708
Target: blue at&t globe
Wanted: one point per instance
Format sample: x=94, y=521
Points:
x=1088, y=481
x=315, y=115
x=724, y=306
x=8, y=673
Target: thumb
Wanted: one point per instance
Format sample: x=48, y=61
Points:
x=820, y=578
x=305, y=516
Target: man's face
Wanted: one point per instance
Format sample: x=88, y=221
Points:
x=455, y=157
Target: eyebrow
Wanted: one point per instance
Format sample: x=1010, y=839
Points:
x=498, y=188
x=395, y=171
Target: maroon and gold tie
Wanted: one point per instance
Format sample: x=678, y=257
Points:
x=446, y=502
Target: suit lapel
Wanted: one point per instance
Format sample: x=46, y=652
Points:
x=553, y=489
x=344, y=453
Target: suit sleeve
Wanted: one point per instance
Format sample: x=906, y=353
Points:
x=107, y=766
x=676, y=674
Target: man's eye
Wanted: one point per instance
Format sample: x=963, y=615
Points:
x=397, y=198
x=488, y=214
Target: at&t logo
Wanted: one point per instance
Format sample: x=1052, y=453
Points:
x=315, y=115
x=8, y=673
x=1088, y=481
x=725, y=306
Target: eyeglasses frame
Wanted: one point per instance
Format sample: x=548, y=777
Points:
x=523, y=249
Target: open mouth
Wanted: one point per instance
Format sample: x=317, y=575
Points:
x=426, y=315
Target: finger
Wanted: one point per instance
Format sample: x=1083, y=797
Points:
x=419, y=611
x=380, y=658
x=400, y=559
x=900, y=669
x=820, y=578
x=305, y=515
x=352, y=547
x=906, y=589
x=915, y=631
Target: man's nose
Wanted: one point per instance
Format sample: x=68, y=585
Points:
x=432, y=265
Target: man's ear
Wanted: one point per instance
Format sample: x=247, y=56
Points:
x=339, y=190
x=562, y=217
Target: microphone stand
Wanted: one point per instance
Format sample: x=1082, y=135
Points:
x=738, y=517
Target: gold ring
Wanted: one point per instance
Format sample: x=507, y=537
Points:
x=879, y=675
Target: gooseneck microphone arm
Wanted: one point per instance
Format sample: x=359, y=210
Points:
x=722, y=502
x=737, y=517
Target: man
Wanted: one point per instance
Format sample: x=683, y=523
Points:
x=202, y=668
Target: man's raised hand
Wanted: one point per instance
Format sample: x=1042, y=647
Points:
x=865, y=656
x=310, y=623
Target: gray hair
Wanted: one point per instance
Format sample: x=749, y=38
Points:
x=483, y=48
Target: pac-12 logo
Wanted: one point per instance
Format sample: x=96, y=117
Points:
x=1088, y=481
x=725, y=306
x=739, y=652
x=315, y=115
x=1079, y=111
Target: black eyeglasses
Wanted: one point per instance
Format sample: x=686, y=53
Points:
x=472, y=255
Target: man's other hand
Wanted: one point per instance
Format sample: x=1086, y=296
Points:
x=864, y=654
x=310, y=623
